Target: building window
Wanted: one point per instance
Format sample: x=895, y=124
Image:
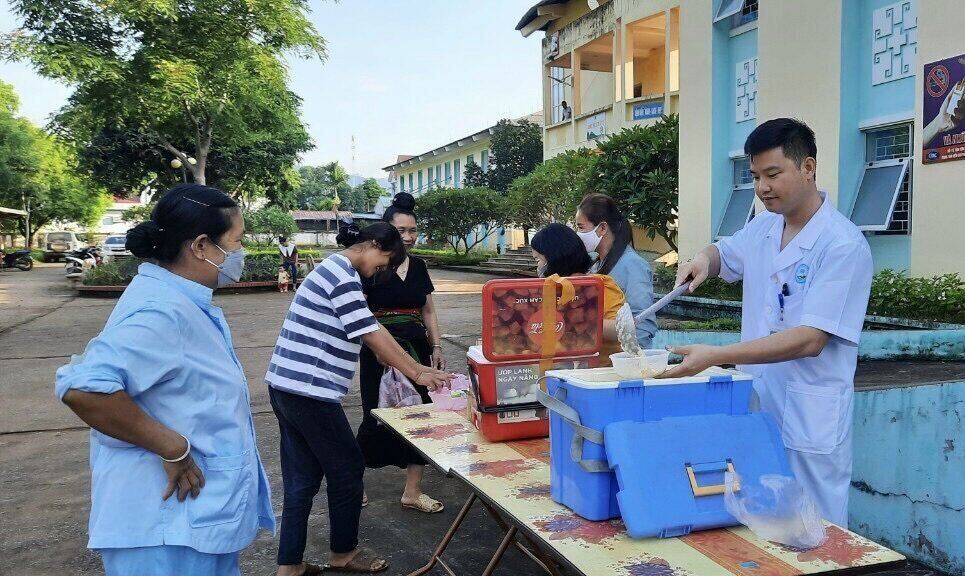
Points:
x=883, y=201
x=448, y=173
x=558, y=82
x=469, y=160
x=484, y=161
x=107, y=220
x=429, y=177
x=736, y=12
x=457, y=181
x=410, y=181
x=438, y=174
x=740, y=205
x=402, y=183
x=420, y=180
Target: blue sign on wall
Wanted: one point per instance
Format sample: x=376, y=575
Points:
x=645, y=110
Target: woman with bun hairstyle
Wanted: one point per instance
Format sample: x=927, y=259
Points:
x=167, y=402
x=606, y=232
x=311, y=369
x=402, y=302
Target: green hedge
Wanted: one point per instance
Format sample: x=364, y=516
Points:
x=893, y=294
x=258, y=268
x=450, y=258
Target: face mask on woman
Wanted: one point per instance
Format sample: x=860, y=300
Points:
x=229, y=271
x=590, y=239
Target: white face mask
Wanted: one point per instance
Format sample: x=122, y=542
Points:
x=590, y=239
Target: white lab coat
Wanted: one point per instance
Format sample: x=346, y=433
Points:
x=827, y=268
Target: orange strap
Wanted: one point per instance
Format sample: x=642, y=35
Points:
x=550, y=307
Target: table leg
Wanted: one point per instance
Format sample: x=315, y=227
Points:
x=508, y=539
x=444, y=543
x=536, y=554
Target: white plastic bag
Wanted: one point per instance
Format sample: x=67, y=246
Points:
x=777, y=509
x=395, y=390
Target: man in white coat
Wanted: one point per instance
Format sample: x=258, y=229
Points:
x=806, y=272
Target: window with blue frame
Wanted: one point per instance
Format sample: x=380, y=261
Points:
x=420, y=180
x=438, y=174
x=448, y=173
x=883, y=202
x=429, y=177
x=484, y=161
x=457, y=180
x=401, y=183
x=740, y=205
x=469, y=160
x=410, y=181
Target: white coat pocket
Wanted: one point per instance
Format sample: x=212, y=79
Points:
x=227, y=483
x=811, y=416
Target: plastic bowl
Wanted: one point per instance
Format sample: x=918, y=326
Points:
x=648, y=364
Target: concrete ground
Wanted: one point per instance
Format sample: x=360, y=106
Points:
x=44, y=476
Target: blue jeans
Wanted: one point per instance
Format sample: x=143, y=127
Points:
x=292, y=270
x=317, y=442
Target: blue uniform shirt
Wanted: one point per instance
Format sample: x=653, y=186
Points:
x=633, y=275
x=170, y=349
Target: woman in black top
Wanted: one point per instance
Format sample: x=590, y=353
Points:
x=402, y=302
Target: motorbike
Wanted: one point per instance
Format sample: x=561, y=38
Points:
x=79, y=261
x=17, y=259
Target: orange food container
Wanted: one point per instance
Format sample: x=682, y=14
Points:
x=512, y=327
x=502, y=400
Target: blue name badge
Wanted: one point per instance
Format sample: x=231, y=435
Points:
x=801, y=274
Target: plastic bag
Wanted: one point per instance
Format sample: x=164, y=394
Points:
x=452, y=398
x=395, y=390
x=777, y=509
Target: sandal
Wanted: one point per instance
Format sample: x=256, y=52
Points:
x=312, y=570
x=426, y=504
x=365, y=499
x=365, y=562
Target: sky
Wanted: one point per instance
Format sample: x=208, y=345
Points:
x=403, y=77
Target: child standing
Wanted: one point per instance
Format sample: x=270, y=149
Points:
x=283, y=279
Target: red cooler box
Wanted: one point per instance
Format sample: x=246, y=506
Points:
x=512, y=328
x=502, y=403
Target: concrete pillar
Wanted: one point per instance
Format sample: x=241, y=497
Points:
x=696, y=150
x=799, y=75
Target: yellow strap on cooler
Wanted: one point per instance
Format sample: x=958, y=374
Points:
x=550, y=306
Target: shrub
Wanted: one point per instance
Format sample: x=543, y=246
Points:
x=113, y=273
x=936, y=299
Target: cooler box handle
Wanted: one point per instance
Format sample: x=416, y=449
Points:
x=580, y=432
x=711, y=489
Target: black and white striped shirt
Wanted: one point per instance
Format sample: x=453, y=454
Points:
x=318, y=349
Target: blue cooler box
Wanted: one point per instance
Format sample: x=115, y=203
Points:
x=583, y=402
x=671, y=472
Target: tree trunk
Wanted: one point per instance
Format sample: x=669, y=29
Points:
x=526, y=236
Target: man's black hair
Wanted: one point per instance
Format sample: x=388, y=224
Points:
x=793, y=137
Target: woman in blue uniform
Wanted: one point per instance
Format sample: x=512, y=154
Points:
x=177, y=484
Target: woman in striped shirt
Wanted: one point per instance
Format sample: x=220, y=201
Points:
x=311, y=369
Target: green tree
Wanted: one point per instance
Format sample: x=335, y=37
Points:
x=517, y=149
x=190, y=78
x=138, y=214
x=638, y=167
x=371, y=191
x=551, y=192
x=474, y=176
x=272, y=221
x=312, y=186
x=336, y=178
x=39, y=174
x=454, y=215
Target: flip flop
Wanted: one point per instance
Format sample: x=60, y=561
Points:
x=426, y=504
x=364, y=562
x=312, y=570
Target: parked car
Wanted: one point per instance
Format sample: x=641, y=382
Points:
x=58, y=244
x=115, y=246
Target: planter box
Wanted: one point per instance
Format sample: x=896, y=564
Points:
x=117, y=290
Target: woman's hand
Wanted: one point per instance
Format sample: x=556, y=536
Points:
x=184, y=477
x=438, y=359
x=433, y=379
